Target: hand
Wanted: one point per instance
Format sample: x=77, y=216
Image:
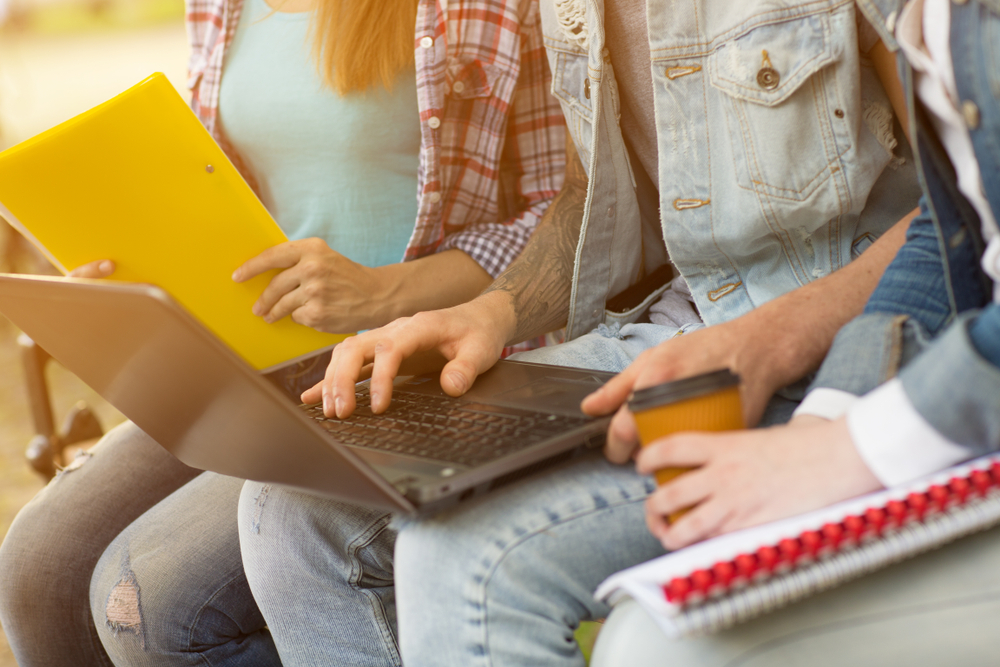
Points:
x=466, y=340
x=738, y=345
x=102, y=268
x=319, y=287
x=746, y=478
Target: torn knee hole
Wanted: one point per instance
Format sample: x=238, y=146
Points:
x=122, y=609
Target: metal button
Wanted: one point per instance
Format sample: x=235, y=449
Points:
x=435, y=197
x=839, y=113
x=768, y=78
x=210, y=169
x=971, y=114
x=611, y=211
x=434, y=122
x=457, y=87
x=426, y=42
x=586, y=88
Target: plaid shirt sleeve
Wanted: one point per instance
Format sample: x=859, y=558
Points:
x=532, y=163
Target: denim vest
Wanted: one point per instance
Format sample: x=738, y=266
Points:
x=772, y=137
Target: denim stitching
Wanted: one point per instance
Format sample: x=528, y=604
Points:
x=357, y=573
x=554, y=520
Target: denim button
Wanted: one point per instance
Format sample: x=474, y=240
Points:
x=586, y=88
x=768, y=78
x=611, y=211
x=971, y=114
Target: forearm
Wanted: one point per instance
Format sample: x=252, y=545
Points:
x=802, y=324
x=433, y=282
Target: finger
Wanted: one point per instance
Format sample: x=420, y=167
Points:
x=282, y=256
x=384, y=370
x=614, y=392
x=282, y=285
x=684, y=450
x=313, y=394
x=657, y=524
x=623, y=438
x=345, y=368
x=459, y=374
x=680, y=493
x=701, y=523
x=102, y=268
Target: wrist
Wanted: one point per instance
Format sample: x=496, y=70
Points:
x=495, y=311
x=387, y=296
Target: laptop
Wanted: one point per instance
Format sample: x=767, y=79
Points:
x=166, y=372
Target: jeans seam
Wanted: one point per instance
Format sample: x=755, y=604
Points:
x=197, y=618
x=521, y=540
x=365, y=539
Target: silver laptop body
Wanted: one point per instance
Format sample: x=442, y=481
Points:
x=163, y=370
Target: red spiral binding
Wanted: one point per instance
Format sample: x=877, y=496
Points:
x=832, y=537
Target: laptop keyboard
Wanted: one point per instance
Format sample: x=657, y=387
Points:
x=443, y=428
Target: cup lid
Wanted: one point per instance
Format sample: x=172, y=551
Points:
x=679, y=390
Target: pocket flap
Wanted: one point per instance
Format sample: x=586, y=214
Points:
x=469, y=77
x=766, y=64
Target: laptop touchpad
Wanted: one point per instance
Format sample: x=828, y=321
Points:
x=551, y=394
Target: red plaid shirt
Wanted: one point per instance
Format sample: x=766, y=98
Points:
x=492, y=152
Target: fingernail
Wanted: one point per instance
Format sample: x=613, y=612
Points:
x=340, y=406
x=255, y=310
x=326, y=403
x=106, y=266
x=376, y=403
x=236, y=277
x=458, y=380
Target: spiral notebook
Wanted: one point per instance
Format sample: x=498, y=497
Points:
x=715, y=584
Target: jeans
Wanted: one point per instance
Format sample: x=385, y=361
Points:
x=49, y=553
x=499, y=580
x=170, y=589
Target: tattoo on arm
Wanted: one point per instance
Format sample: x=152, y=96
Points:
x=540, y=280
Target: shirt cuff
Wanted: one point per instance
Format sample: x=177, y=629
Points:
x=826, y=403
x=895, y=441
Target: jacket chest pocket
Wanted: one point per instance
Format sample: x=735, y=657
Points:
x=780, y=102
x=571, y=85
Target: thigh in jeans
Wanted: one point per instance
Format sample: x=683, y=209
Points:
x=170, y=590
x=49, y=554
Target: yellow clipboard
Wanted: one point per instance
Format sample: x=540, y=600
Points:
x=140, y=181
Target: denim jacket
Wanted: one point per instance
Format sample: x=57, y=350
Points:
x=936, y=326
x=772, y=135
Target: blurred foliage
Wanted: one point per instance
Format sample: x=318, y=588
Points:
x=80, y=16
x=586, y=635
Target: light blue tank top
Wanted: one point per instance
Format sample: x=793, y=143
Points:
x=342, y=168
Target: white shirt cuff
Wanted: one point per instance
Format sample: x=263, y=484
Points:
x=895, y=441
x=826, y=403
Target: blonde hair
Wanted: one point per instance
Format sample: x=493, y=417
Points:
x=361, y=43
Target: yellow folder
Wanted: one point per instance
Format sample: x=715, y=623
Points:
x=139, y=180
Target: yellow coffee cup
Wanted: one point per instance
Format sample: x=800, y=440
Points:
x=707, y=402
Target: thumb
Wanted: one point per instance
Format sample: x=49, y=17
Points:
x=610, y=397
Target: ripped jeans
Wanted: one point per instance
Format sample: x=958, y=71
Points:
x=500, y=580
